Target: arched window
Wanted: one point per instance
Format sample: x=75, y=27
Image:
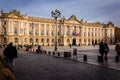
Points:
x=68, y=40
x=25, y=40
x=16, y=40
x=52, y=40
x=42, y=40
x=31, y=40
x=36, y=40
x=47, y=40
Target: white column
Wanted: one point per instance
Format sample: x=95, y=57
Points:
x=39, y=29
x=0, y=26
x=12, y=30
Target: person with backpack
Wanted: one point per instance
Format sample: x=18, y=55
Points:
x=106, y=51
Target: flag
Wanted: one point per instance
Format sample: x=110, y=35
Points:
x=73, y=33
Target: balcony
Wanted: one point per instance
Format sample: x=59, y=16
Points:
x=3, y=34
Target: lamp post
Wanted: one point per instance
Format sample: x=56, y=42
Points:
x=56, y=14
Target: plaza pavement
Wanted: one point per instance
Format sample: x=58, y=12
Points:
x=32, y=66
x=92, y=55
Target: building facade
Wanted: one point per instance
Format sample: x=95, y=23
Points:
x=22, y=29
x=117, y=34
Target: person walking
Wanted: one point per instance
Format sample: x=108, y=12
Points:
x=106, y=51
x=101, y=50
x=10, y=53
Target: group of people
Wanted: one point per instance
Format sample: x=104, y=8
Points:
x=7, y=62
x=103, y=50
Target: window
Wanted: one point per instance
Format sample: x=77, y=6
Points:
x=52, y=33
x=88, y=34
x=4, y=22
x=47, y=40
x=16, y=40
x=36, y=32
x=15, y=22
x=4, y=31
x=30, y=32
x=15, y=31
x=42, y=40
x=68, y=40
x=36, y=40
x=31, y=40
x=25, y=39
x=42, y=32
x=66, y=33
x=46, y=32
x=42, y=25
x=47, y=26
x=52, y=40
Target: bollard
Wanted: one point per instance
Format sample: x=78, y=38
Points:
x=100, y=59
x=58, y=53
x=75, y=53
x=85, y=57
x=45, y=52
x=117, y=58
x=53, y=53
x=67, y=54
x=49, y=53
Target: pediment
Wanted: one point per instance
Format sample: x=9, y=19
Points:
x=74, y=20
x=14, y=14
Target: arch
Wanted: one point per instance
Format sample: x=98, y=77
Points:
x=5, y=40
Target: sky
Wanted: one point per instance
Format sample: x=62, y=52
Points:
x=89, y=10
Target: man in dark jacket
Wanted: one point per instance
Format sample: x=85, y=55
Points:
x=10, y=52
x=101, y=49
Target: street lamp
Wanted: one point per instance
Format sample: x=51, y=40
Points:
x=56, y=14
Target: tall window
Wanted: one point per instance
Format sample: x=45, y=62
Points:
x=15, y=22
x=52, y=40
x=30, y=32
x=36, y=32
x=31, y=40
x=52, y=33
x=42, y=40
x=4, y=22
x=42, y=32
x=25, y=39
x=15, y=31
x=47, y=40
x=4, y=31
x=36, y=40
x=16, y=40
x=47, y=32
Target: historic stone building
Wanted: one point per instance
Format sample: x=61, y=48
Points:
x=117, y=34
x=23, y=29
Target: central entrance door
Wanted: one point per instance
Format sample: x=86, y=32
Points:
x=74, y=42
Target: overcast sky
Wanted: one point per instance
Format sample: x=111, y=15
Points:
x=91, y=10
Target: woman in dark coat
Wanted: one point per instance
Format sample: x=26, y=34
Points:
x=10, y=52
